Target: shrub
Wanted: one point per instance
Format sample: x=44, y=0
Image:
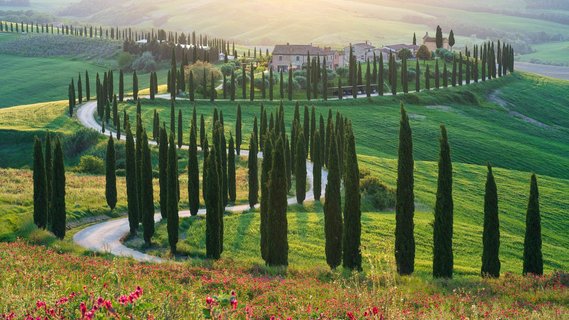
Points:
x=198, y=70
x=91, y=165
x=424, y=53
x=445, y=54
x=48, y=45
x=375, y=194
x=301, y=81
x=80, y=141
x=145, y=63
x=342, y=72
x=124, y=60
x=404, y=54
x=227, y=68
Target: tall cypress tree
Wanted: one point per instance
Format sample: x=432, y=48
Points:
x=79, y=89
x=405, y=200
x=134, y=86
x=290, y=83
x=265, y=174
x=317, y=165
x=57, y=204
x=238, y=132
x=192, y=87
x=202, y=131
x=252, y=84
x=443, y=224
x=271, y=84
x=131, y=184
x=111, y=178
x=231, y=182
x=277, y=242
x=87, y=86
x=121, y=86
x=40, y=187
x=533, y=258
x=491, y=235
x=180, y=129
x=352, y=207
x=300, y=167
x=333, y=208
x=147, y=192
x=193, y=173
x=163, y=172
x=253, y=172
x=173, y=218
x=306, y=131
x=212, y=201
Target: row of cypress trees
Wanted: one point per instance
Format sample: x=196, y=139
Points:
x=444, y=212
x=49, y=187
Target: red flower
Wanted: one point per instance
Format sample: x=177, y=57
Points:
x=375, y=310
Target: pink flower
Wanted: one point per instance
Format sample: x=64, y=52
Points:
x=83, y=308
x=234, y=303
x=209, y=300
x=350, y=315
x=40, y=304
x=375, y=310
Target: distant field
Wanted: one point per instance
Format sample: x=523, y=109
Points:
x=27, y=80
x=554, y=53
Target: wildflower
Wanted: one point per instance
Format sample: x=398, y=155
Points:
x=375, y=310
x=40, y=304
x=234, y=302
x=209, y=300
x=350, y=315
x=83, y=309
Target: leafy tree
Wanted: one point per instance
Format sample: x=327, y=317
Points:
x=277, y=242
x=231, y=182
x=172, y=203
x=57, y=203
x=111, y=178
x=300, y=168
x=405, y=200
x=131, y=182
x=147, y=192
x=352, y=256
x=40, y=187
x=333, y=208
x=423, y=53
x=443, y=224
x=533, y=258
x=491, y=235
x=253, y=172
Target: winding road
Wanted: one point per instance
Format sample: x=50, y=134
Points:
x=107, y=236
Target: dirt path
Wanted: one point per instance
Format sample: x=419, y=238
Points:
x=107, y=236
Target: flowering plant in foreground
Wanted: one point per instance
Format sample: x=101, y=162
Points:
x=83, y=305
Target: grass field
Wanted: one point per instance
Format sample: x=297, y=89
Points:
x=479, y=129
x=554, y=53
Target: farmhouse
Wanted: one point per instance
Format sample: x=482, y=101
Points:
x=296, y=56
x=395, y=48
x=431, y=42
x=362, y=51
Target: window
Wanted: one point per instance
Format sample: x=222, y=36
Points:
x=280, y=58
x=297, y=58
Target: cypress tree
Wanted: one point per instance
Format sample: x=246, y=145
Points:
x=427, y=79
x=223, y=154
x=238, y=132
x=277, y=242
x=312, y=131
x=445, y=76
x=306, y=131
x=300, y=168
x=252, y=84
x=231, y=182
x=324, y=81
x=40, y=187
x=271, y=84
x=453, y=80
x=253, y=172
x=134, y=86
x=131, y=184
x=263, y=129
x=281, y=85
x=87, y=86
x=437, y=75
x=163, y=172
x=147, y=192
x=443, y=224
x=533, y=258
x=193, y=173
x=205, y=150
x=265, y=174
x=202, y=131
x=352, y=207
x=256, y=131
x=317, y=165
x=460, y=69
x=243, y=83
x=290, y=84
x=121, y=86
x=180, y=129
x=111, y=178
x=380, y=76
x=405, y=200
x=57, y=203
x=212, y=201
x=417, y=77
x=333, y=208
x=439, y=37
x=79, y=89
x=192, y=87
x=368, y=81
x=172, y=203
x=213, y=93
x=491, y=235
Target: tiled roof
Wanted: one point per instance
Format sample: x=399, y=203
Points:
x=297, y=49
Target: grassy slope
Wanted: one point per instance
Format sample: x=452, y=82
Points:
x=550, y=53
x=480, y=131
